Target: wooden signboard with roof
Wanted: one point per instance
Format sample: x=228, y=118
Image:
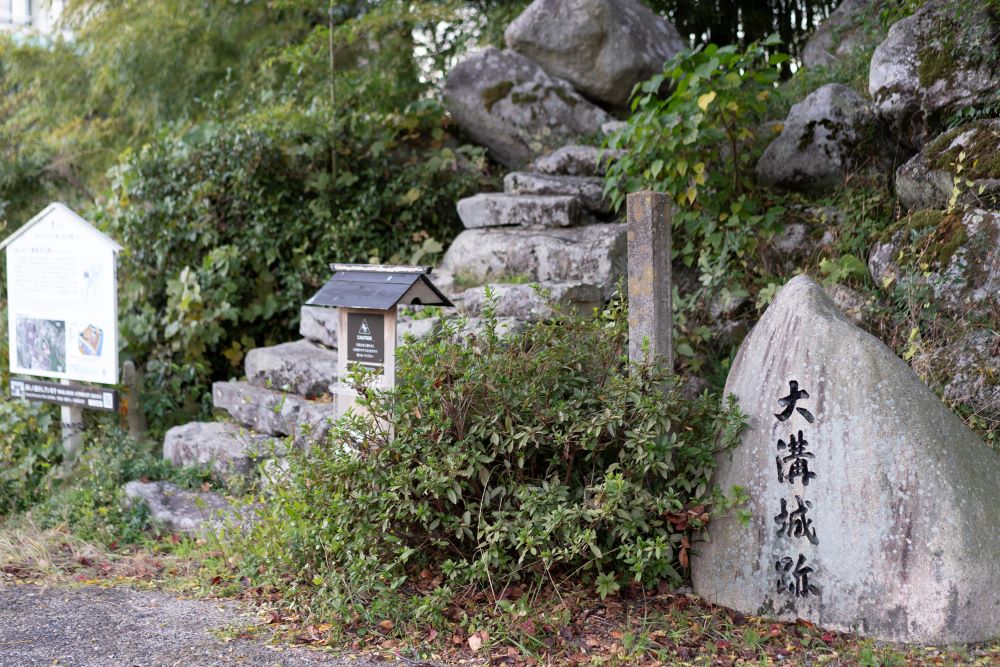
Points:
x=367, y=297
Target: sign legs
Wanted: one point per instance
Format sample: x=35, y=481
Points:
x=72, y=432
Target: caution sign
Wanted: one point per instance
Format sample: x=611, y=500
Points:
x=366, y=339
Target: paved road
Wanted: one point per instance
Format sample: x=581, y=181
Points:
x=118, y=627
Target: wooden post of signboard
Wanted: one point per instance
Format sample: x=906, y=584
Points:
x=72, y=431
x=132, y=380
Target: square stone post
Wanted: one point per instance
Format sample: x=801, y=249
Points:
x=649, y=285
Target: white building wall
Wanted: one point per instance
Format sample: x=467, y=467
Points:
x=27, y=16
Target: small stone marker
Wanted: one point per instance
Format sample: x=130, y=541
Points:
x=873, y=508
x=367, y=297
x=649, y=286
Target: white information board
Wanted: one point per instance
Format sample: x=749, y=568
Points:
x=62, y=299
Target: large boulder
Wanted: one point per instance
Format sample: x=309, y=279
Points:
x=819, y=141
x=940, y=59
x=842, y=33
x=956, y=256
x=510, y=105
x=962, y=162
x=871, y=506
x=602, y=47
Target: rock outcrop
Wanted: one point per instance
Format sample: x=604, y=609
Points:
x=870, y=502
x=841, y=34
x=819, y=140
x=971, y=370
x=602, y=47
x=958, y=255
x=936, y=61
x=511, y=106
x=963, y=162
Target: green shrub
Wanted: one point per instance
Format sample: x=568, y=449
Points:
x=698, y=145
x=229, y=228
x=30, y=453
x=502, y=458
x=91, y=500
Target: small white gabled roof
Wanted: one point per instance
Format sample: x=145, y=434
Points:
x=65, y=213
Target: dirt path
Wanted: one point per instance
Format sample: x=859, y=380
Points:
x=118, y=627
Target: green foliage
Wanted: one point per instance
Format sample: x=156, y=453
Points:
x=502, y=459
x=30, y=453
x=843, y=268
x=91, y=499
x=229, y=228
x=698, y=146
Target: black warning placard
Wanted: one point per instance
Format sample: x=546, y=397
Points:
x=366, y=339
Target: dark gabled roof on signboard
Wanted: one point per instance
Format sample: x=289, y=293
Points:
x=64, y=211
x=378, y=287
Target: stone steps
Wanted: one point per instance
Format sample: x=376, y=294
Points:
x=576, y=160
x=272, y=412
x=498, y=209
x=593, y=254
x=301, y=367
x=587, y=190
x=228, y=449
x=529, y=303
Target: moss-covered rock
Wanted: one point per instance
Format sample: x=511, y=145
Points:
x=854, y=26
x=820, y=140
x=961, y=166
x=955, y=255
x=510, y=105
x=941, y=59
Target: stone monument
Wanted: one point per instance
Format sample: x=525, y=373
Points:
x=873, y=508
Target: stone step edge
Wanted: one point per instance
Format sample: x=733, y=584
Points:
x=563, y=211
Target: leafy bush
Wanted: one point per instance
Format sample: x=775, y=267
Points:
x=699, y=146
x=228, y=229
x=91, y=500
x=30, y=453
x=502, y=458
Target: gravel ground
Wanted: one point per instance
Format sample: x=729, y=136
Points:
x=119, y=627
